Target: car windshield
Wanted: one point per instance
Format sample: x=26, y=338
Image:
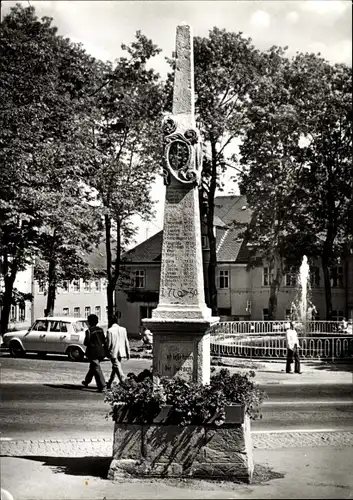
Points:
x=80, y=326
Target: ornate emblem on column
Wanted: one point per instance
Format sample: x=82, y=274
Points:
x=181, y=154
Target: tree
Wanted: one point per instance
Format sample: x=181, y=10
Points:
x=125, y=150
x=297, y=163
x=71, y=230
x=324, y=100
x=43, y=78
x=226, y=67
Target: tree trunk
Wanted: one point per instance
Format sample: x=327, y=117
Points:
x=274, y=288
x=212, y=265
x=117, y=262
x=9, y=272
x=326, y=261
x=327, y=284
x=49, y=311
x=110, y=288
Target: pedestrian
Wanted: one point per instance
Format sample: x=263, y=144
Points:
x=117, y=348
x=343, y=325
x=292, y=348
x=147, y=337
x=95, y=352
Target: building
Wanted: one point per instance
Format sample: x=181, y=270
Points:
x=77, y=298
x=21, y=314
x=242, y=294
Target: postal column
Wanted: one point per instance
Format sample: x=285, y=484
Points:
x=181, y=346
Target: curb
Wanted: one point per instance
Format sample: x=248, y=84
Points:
x=88, y=447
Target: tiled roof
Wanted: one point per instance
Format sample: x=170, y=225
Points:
x=217, y=222
x=232, y=209
x=97, y=258
x=147, y=251
x=230, y=247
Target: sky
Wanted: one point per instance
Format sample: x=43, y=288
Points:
x=320, y=26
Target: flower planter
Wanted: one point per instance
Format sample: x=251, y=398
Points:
x=163, y=449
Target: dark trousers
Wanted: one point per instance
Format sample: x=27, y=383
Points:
x=116, y=370
x=95, y=371
x=290, y=355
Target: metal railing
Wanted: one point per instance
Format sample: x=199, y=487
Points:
x=266, y=339
x=310, y=348
x=268, y=327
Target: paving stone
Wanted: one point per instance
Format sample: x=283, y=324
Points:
x=103, y=447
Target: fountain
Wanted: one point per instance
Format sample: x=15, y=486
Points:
x=302, y=308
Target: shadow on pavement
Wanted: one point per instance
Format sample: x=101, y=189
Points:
x=82, y=466
x=75, y=387
x=332, y=366
x=99, y=466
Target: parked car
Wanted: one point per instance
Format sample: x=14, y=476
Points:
x=55, y=335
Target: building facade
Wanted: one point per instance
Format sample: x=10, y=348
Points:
x=242, y=294
x=77, y=298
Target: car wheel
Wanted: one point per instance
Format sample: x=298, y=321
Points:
x=16, y=350
x=75, y=354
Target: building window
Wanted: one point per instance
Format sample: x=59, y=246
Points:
x=315, y=277
x=41, y=287
x=224, y=311
x=97, y=285
x=139, y=279
x=22, y=312
x=145, y=312
x=337, y=277
x=223, y=279
x=265, y=314
x=77, y=312
x=87, y=286
x=13, y=311
x=65, y=286
x=66, y=311
x=337, y=315
x=76, y=284
x=97, y=311
x=87, y=311
x=266, y=277
x=291, y=279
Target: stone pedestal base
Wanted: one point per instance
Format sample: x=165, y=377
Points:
x=181, y=348
x=192, y=451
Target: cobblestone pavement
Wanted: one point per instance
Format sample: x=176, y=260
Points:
x=102, y=447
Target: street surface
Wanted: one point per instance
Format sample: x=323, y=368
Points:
x=44, y=397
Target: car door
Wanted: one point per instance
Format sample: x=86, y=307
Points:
x=35, y=338
x=57, y=337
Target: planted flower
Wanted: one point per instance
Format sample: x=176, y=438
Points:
x=188, y=403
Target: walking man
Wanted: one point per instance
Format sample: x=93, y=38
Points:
x=118, y=348
x=292, y=348
x=95, y=352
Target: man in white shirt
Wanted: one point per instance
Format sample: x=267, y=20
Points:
x=117, y=348
x=292, y=348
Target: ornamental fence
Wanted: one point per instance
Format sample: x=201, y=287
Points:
x=228, y=339
x=270, y=327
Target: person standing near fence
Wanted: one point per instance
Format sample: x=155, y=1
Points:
x=292, y=348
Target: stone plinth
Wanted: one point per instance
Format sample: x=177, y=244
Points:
x=203, y=451
x=182, y=349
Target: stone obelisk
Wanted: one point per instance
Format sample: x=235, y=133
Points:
x=181, y=344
